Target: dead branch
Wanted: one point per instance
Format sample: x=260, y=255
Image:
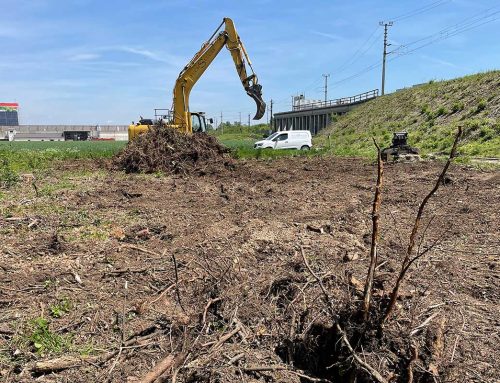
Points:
x=176, y=281
x=360, y=362
x=225, y=338
x=458, y=336
x=411, y=363
x=423, y=324
x=408, y=260
x=141, y=249
x=158, y=369
x=326, y=297
x=66, y=362
x=210, y=303
x=374, y=373
x=373, y=249
x=299, y=373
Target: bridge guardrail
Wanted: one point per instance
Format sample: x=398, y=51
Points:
x=339, y=101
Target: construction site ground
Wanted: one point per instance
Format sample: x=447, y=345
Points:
x=210, y=267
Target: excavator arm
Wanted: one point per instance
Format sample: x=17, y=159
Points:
x=200, y=62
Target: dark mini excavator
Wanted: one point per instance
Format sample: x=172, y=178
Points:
x=400, y=149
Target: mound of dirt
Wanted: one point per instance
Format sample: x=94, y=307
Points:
x=168, y=150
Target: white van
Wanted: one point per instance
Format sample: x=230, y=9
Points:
x=288, y=139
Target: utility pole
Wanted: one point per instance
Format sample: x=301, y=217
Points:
x=326, y=85
x=271, y=118
x=385, y=25
x=249, y=120
x=221, y=123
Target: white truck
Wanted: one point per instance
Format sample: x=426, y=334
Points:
x=288, y=139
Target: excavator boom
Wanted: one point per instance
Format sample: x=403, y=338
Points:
x=200, y=62
x=229, y=38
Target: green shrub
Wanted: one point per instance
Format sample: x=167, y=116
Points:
x=458, y=107
x=441, y=111
x=481, y=105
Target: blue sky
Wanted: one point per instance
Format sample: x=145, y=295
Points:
x=107, y=62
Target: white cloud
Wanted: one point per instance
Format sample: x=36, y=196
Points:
x=327, y=35
x=439, y=61
x=84, y=57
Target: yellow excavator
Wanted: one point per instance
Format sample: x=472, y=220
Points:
x=181, y=117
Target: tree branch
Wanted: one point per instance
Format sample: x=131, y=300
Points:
x=407, y=260
x=373, y=249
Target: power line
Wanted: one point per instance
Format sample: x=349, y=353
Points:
x=409, y=14
x=440, y=37
x=353, y=58
x=457, y=26
x=420, y=10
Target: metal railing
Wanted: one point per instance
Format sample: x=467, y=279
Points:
x=339, y=101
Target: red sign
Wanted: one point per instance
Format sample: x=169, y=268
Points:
x=8, y=106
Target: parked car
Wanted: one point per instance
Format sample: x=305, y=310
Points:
x=290, y=139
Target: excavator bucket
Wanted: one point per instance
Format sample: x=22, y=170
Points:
x=255, y=91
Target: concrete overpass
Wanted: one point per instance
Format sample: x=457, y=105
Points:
x=318, y=115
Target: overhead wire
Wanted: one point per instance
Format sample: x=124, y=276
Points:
x=465, y=25
x=420, y=10
x=461, y=24
x=353, y=58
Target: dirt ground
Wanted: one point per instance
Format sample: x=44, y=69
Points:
x=127, y=269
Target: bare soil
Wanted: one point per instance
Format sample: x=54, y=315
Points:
x=208, y=269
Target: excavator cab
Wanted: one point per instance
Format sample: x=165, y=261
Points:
x=198, y=122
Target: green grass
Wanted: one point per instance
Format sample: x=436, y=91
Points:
x=57, y=310
x=32, y=156
x=245, y=153
x=43, y=340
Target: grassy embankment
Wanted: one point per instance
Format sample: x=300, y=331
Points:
x=430, y=113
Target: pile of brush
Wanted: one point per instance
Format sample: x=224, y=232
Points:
x=164, y=149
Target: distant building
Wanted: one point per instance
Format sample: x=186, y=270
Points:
x=8, y=113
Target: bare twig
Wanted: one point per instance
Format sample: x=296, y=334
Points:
x=63, y=363
x=411, y=363
x=210, y=303
x=284, y=368
x=365, y=366
x=374, y=373
x=158, y=369
x=423, y=324
x=141, y=249
x=176, y=281
x=326, y=297
x=458, y=336
x=373, y=249
x=408, y=260
x=225, y=338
